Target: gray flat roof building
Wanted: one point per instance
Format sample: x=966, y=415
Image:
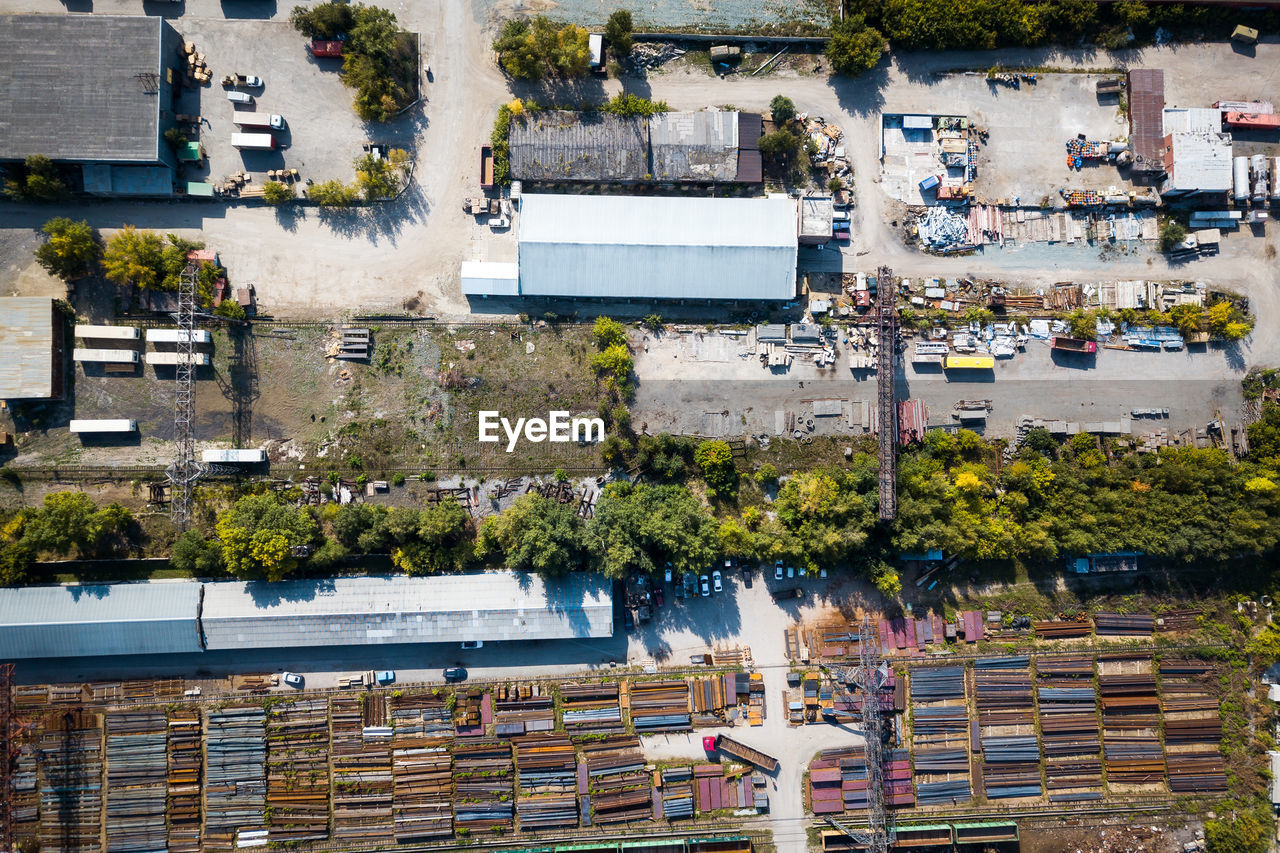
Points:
x=87, y=89
x=695, y=146
x=493, y=606
x=31, y=349
x=157, y=617
x=647, y=247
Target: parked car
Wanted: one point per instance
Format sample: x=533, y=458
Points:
x=473, y=644
x=454, y=673
x=690, y=584
x=497, y=223
x=667, y=575
x=715, y=581
x=784, y=594
x=777, y=570
x=239, y=97
x=628, y=621
x=746, y=576
x=292, y=679
x=822, y=573
x=705, y=585
x=658, y=598
x=385, y=676
x=791, y=571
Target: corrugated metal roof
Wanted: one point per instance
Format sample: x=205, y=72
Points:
x=1146, y=118
x=1199, y=162
x=490, y=278
x=378, y=610
x=1192, y=119
x=694, y=146
x=27, y=342
x=107, y=619
x=558, y=145
x=82, y=87
x=632, y=247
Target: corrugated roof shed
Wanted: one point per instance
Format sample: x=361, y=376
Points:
x=558, y=145
x=158, y=617
x=750, y=164
x=396, y=609
x=1198, y=162
x=694, y=146
x=82, y=87
x=1146, y=118
x=630, y=247
x=1192, y=119
x=30, y=349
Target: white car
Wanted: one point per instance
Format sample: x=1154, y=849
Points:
x=251, y=81
x=473, y=644
x=240, y=97
x=705, y=586
x=791, y=571
x=715, y=581
x=667, y=575
x=292, y=679
x=499, y=222
x=777, y=570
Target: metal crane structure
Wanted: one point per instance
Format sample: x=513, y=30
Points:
x=185, y=468
x=8, y=754
x=887, y=416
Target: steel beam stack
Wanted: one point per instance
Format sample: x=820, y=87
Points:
x=483, y=785
x=420, y=715
x=184, y=782
x=1006, y=723
x=298, y=770
x=521, y=708
x=613, y=785
x=421, y=771
x=71, y=783
x=1192, y=728
x=940, y=728
x=137, y=774
x=548, y=774
x=236, y=775
x=1130, y=720
x=362, y=778
x=1068, y=706
x=659, y=706
x=591, y=708
x=8, y=756
x=887, y=423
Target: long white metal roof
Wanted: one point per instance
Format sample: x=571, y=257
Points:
x=639, y=247
x=395, y=609
x=158, y=617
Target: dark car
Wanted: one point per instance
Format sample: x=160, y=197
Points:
x=746, y=576
x=784, y=594
x=455, y=673
x=628, y=622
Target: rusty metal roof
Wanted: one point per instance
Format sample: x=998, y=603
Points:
x=1146, y=119
x=27, y=344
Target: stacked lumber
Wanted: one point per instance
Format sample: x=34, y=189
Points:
x=362, y=778
x=71, y=782
x=422, y=799
x=137, y=775
x=483, y=781
x=298, y=770
x=548, y=767
x=592, y=707
x=185, y=741
x=613, y=783
x=660, y=706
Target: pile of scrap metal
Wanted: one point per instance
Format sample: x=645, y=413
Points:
x=829, y=139
x=941, y=229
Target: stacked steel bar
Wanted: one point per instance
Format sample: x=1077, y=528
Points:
x=1192, y=728
x=185, y=742
x=420, y=714
x=548, y=771
x=1058, y=630
x=712, y=695
x=236, y=771
x=940, y=727
x=838, y=781
x=1006, y=722
x=591, y=707
x=1121, y=625
x=1130, y=720
x=24, y=793
x=137, y=774
x=1068, y=707
x=422, y=776
x=659, y=706
x=70, y=760
x=520, y=708
x=483, y=782
x=676, y=793
x=618, y=788
x=1178, y=620
x=362, y=778
x=720, y=787
x=298, y=770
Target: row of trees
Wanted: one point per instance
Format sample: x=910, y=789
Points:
x=380, y=61
x=66, y=524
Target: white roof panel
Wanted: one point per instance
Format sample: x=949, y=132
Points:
x=630, y=247
x=490, y=278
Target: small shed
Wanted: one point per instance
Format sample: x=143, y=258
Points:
x=771, y=333
x=806, y=334
x=911, y=122
x=490, y=278
x=817, y=215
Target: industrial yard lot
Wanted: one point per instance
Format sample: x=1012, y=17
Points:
x=933, y=503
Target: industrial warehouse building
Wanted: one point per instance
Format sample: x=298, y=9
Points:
x=171, y=617
x=708, y=146
x=648, y=248
x=31, y=348
x=95, y=91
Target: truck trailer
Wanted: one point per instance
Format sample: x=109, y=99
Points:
x=1240, y=180
x=263, y=120
x=103, y=425
x=176, y=336
x=106, y=356
x=169, y=359
x=107, y=333
x=233, y=455
x=1073, y=344
x=254, y=141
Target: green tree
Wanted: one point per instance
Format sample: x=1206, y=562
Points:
x=440, y=542
x=176, y=139
x=354, y=522
x=1245, y=832
x=608, y=333
x=258, y=534
x=1264, y=437
x=617, y=32
x=69, y=522
x=333, y=193
x=37, y=179
x=664, y=457
x=374, y=33
x=827, y=513
x=134, y=257
x=1082, y=324
x=854, y=47
x=278, y=192
x=1172, y=233
x=627, y=105
x=783, y=109
x=196, y=555
x=230, y=309
x=715, y=458
x=376, y=178
x=886, y=580
x=324, y=20
x=531, y=50
x=614, y=363
x=640, y=528
x=535, y=535
x=72, y=249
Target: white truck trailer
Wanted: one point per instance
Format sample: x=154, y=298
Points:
x=199, y=359
x=176, y=336
x=107, y=333
x=233, y=456
x=121, y=425
x=105, y=356
x=262, y=120
x=254, y=141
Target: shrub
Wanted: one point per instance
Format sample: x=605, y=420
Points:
x=783, y=109
x=854, y=47
x=617, y=32
x=72, y=249
x=333, y=194
x=277, y=192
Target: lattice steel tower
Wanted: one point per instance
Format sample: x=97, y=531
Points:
x=887, y=416
x=185, y=469
x=872, y=673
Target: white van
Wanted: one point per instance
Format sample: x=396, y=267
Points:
x=239, y=97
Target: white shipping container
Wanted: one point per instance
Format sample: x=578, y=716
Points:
x=1240, y=182
x=108, y=333
x=109, y=356
x=200, y=359
x=104, y=425
x=233, y=455
x=176, y=336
